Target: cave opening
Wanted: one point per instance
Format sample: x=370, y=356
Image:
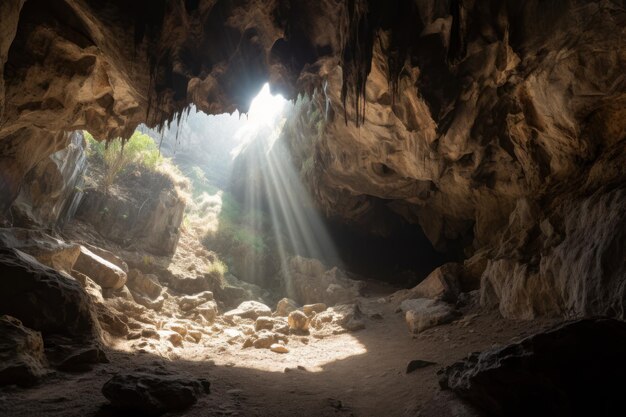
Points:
x=312, y=208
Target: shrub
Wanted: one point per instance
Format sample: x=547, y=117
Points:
x=117, y=155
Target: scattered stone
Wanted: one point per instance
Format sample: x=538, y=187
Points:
x=189, y=302
x=248, y=343
x=195, y=334
x=150, y=334
x=264, y=323
x=418, y=364
x=285, y=306
x=312, y=309
x=174, y=338
x=233, y=336
x=249, y=310
x=208, y=310
x=424, y=313
x=153, y=394
x=278, y=348
x=298, y=321
x=264, y=340
x=281, y=327
x=22, y=360
x=106, y=274
x=179, y=328
x=145, y=289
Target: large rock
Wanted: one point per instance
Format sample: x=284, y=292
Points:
x=580, y=269
x=22, y=360
x=250, y=310
x=309, y=281
x=153, y=394
x=145, y=289
x=54, y=304
x=575, y=369
x=47, y=249
x=147, y=216
x=284, y=307
x=424, y=313
x=44, y=299
x=442, y=283
x=103, y=272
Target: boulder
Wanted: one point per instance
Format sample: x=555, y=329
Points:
x=208, y=310
x=278, y=348
x=189, y=302
x=48, y=250
x=109, y=256
x=264, y=340
x=574, y=369
x=250, y=310
x=285, y=306
x=263, y=323
x=312, y=309
x=186, y=283
x=339, y=319
x=44, y=299
x=22, y=360
x=311, y=282
x=152, y=394
x=145, y=289
x=424, y=313
x=106, y=274
x=298, y=321
x=442, y=283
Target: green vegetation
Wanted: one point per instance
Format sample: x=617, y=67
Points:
x=117, y=155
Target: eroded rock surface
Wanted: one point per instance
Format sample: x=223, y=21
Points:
x=575, y=369
x=153, y=394
x=22, y=359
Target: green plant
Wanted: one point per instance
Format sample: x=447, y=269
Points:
x=117, y=155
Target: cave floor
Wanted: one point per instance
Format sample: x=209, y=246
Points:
x=362, y=373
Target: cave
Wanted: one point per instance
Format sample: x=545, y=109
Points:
x=312, y=207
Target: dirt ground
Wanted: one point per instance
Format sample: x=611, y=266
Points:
x=352, y=374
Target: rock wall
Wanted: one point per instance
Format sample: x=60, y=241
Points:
x=144, y=210
x=451, y=114
x=52, y=189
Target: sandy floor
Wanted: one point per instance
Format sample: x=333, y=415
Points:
x=352, y=374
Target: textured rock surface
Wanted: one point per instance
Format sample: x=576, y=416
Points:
x=47, y=249
x=467, y=110
x=310, y=282
x=250, y=310
x=442, y=283
x=43, y=299
x=146, y=214
x=423, y=313
x=153, y=394
x=575, y=369
x=22, y=359
x=103, y=272
x=51, y=191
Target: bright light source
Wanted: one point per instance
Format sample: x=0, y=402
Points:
x=265, y=107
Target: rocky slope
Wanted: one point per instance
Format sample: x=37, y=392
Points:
x=496, y=125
